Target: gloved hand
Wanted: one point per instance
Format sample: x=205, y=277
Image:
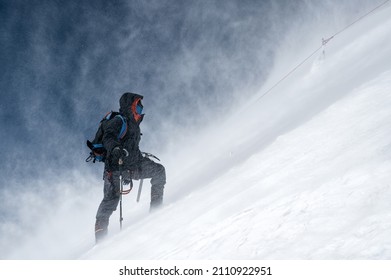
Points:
x=118, y=153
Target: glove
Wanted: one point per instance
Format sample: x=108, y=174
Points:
x=118, y=153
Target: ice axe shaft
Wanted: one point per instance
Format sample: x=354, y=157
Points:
x=140, y=187
x=120, y=162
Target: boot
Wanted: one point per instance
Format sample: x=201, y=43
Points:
x=100, y=230
x=157, y=192
x=156, y=203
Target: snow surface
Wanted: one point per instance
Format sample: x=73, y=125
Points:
x=301, y=173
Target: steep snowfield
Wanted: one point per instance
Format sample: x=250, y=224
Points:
x=320, y=191
x=303, y=174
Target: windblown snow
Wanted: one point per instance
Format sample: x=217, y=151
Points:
x=303, y=172
x=318, y=188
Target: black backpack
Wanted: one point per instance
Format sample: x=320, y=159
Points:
x=98, y=151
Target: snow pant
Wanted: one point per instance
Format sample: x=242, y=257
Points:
x=111, y=190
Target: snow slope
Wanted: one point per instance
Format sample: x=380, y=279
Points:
x=319, y=192
x=307, y=176
x=303, y=172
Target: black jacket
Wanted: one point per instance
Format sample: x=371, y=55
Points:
x=130, y=141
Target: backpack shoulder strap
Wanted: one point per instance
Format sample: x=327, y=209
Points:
x=124, y=127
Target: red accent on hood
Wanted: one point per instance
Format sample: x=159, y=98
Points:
x=133, y=109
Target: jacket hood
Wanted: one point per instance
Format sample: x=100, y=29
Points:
x=126, y=101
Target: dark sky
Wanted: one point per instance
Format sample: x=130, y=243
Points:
x=64, y=64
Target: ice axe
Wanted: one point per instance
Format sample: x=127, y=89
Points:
x=122, y=191
x=140, y=187
x=120, y=162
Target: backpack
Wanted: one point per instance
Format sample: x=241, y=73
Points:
x=98, y=151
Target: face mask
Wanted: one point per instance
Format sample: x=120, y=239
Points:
x=139, y=108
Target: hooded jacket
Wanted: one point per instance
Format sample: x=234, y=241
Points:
x=131, y=140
